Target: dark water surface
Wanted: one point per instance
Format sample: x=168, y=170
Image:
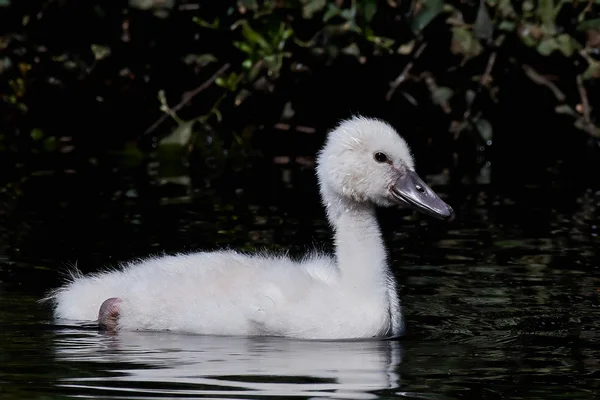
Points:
x=503, y=303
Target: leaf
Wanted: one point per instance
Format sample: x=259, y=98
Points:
x=286, y=34
x=332, y=11
x=252, y=36
x=430, y=10
x=201, y=59
x=229, y=83
x=381, y=41
x=241, y=96
x=50, y=144
x=141, y=4
x=507, y=26
x=247, y=63
x=506, y=8
x=545, y=12
x=484, y=127
x=310, y=7
x=249, y=4
x=4, y=3
x=593, y=70
x=566, y=44
x=181, y=136
x=288, y=111
x=406, y=48
x=205, y=24
x=547, y=46
x=442, y=94
x=566, y=109
x=352, y=50
x=463, y=42
x=483, y=28
x=349, y=14
x=100, y=52
x=589, y=24
x=243, y=46
x=370, y=8
x=37, y=134
x=470, y=96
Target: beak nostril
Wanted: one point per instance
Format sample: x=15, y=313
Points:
x=420, y=188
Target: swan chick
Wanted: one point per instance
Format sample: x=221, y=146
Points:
x=352, y=293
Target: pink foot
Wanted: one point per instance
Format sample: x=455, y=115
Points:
x=109, y=314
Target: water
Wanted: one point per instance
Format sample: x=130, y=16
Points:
x=501, y=304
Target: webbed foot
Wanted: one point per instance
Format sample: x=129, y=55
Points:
x=108, y=315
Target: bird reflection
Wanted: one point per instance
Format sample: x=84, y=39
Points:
x=159, y=364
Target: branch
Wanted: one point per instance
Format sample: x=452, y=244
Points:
x=540, y=80
x=487, y=74
x=585, y=104
x=402, y=77
x=188, y=96
x=433, y=89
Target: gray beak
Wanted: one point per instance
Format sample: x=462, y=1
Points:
x=410, y=189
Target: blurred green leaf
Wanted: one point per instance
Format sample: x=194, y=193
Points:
x=470, y=97
x=352, y=49
x=4, y=3
x=247, y=63
x=506, y=8
x=430, y=9
x=507, y=26
x=547, y=46
x=406, y=48
x=442, y=94
x=202, y=59
x=370, y=8
x=593, y=70
x=349, y=14
x=567, y=45
x=484, y=127
x=100, y=52
x=252, y=36
x=590, y=128
x=483, y=28
x=243, y=46
x=589, y=24
x=229, y=82
x=545, y=12
x=249, y=4
x=463, y=42
x=566, y=109
x=381, y=41
x=241, y=96
x=310, y=7
x=50, y=144
x=150, y=4
x=37, y=134
x=181, y=136
x=205, y=24
x=332, y=11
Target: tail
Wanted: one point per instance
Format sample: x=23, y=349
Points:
x=77, y=299
x=70, y=275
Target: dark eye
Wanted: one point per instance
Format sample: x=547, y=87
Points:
x=380, y=157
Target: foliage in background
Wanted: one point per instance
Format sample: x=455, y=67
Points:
x=169, y=80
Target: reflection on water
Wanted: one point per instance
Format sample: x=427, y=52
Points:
x=189, y=365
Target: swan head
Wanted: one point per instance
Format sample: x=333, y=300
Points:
x=364, y=160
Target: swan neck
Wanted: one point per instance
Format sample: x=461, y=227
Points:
x=359, y=248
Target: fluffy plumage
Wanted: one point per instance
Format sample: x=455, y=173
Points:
x=350, y=295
